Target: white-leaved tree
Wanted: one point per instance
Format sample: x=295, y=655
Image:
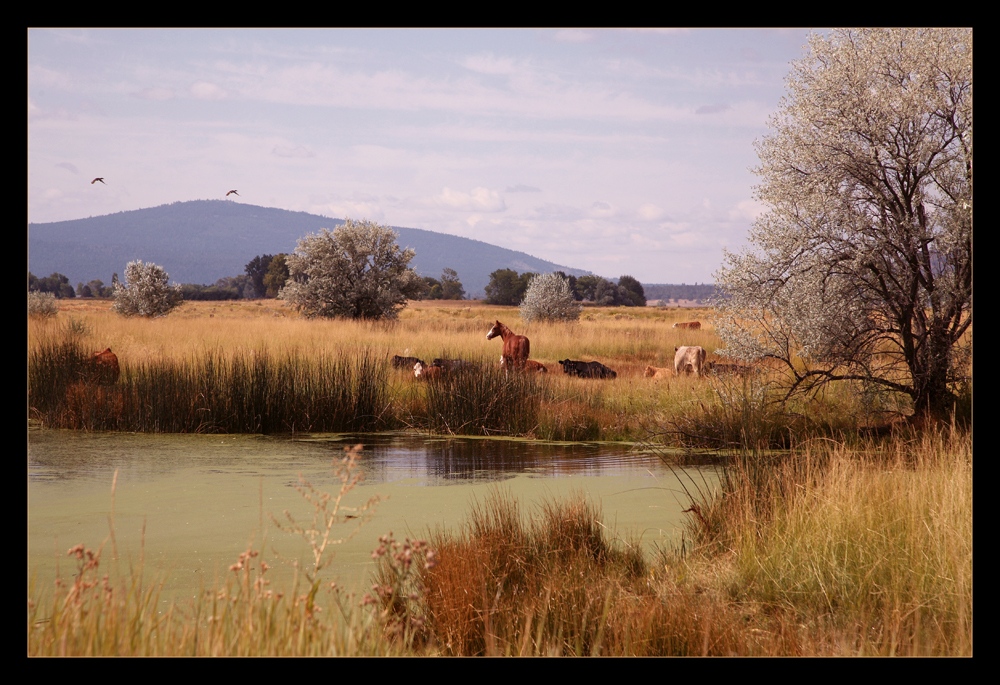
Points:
x=861, y=266
x=548, y=298
x=146, y=291
x=356, y=271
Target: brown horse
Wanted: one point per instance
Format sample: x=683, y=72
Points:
x=515, y=347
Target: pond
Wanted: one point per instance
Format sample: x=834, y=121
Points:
x=185, y=506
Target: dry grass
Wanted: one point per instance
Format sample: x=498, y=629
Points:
x=570, y=408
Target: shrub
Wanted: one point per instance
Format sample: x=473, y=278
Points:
x=42, y=305
x=147, y=291
x=357, y=271
x=549, y=298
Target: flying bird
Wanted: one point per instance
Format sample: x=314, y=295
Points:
x=99, y=178
x=232, y=192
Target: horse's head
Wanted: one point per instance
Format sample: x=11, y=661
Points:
x=494, y=331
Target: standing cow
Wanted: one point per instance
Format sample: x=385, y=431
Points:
x=689, y=359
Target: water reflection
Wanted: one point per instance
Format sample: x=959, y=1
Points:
x=433, y=461
x=189, y=504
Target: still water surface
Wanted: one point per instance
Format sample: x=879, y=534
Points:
x=185, y=506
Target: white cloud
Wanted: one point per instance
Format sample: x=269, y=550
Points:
x=157, y=94
x=203, y=90
x=477, y=200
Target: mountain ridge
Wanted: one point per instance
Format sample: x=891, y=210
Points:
x=201, y=241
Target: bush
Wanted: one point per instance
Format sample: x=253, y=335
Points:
x=548, y=298
x=42, y=305
x=147, y=291
x=357, y=271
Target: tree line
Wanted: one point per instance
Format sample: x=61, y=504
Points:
x=507, y=287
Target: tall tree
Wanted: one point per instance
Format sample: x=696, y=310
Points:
x=506, y=287
x=451, y=287
x=276, y=276
x=256, y=269
x=632, y=293
x=861, y=268
x=355, y=271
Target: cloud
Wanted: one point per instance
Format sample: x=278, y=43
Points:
x=573, y=36
x=521, y=188
x=477, y=200
x=602, y=210
x=650, y=212
x=158, y=94
x=202, y=90
x=292, y=151
x=68, y=167
x=712, y=109
x=489, y=64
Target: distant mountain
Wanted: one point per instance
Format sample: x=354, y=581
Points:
x=204, y=240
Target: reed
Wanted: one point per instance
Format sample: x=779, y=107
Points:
x=483, y=399
x=245, y=392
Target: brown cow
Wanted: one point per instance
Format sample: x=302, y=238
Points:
x=689, y=359
x=693, y=325
x=532, y=365
x=657, y=372
x=515, y=347
x=104, y=367
x=427, y=372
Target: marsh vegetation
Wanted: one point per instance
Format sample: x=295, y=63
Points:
x=854, y=538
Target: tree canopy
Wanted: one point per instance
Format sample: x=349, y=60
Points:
x=548, y=298
x=861, y=267
x=355, y=271
x=146, y=291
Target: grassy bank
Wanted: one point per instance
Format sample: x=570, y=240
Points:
x=257, y=367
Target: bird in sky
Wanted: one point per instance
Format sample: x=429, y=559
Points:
x=232, y=192
x=99, y=178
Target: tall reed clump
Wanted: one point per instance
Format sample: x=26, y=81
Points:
x=483, y=399
x=556, y=585
x=244, y=392
x=874, y=551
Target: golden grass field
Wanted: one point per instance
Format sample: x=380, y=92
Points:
x=849, y=543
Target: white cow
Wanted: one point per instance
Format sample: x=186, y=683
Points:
x=689, y=359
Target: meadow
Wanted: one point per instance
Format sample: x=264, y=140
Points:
x=853, y=538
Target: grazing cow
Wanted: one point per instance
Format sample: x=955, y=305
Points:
x=515, y=347
x=689, y=359
x=693, y=325
x=404, y=362
x=104, y=367
x=532, y=365
x=719, y=369
x=587, y=369
x=657, y=372
x=425, y=372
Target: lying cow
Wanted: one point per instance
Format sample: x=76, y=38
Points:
x=450, y=364
x=586, y=369
x=104, y=367
x=405, y=362
x=657, y=372
x=427, y=372
x=529, y=365
x=689, y=359
x=693, y=325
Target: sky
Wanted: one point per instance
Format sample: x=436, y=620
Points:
x=615, y=151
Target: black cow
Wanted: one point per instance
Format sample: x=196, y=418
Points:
x=451, y=364
x=587, y=369
x=405, y=362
